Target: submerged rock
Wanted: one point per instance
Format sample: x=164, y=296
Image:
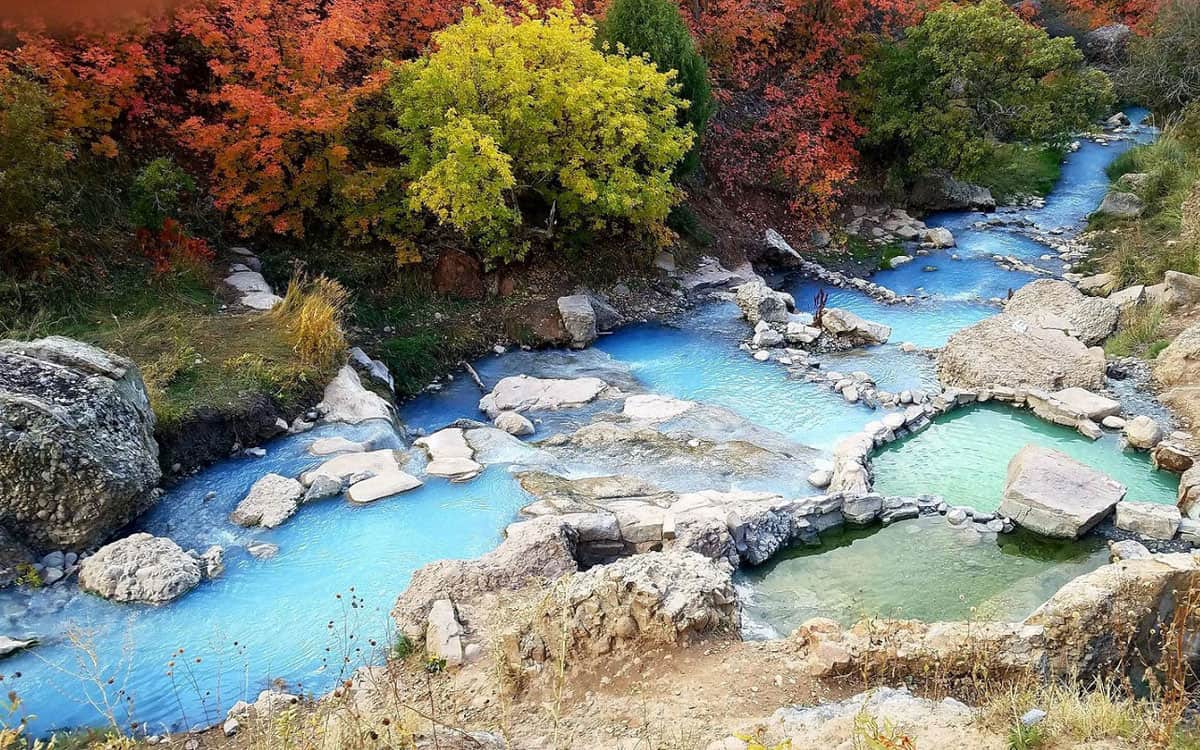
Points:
x=140, y=568
x=1050, y=493
x=1011, y=351
x=78, y=459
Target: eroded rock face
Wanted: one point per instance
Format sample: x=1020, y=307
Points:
x=941, y=192
x=78, y=458
x=541, y=549
x=1054, y=495
x=1012, y=351
x=140, y=568
x=1058, y=305
x=1179, y=363
x=655, y=598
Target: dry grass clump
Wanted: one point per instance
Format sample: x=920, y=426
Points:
x=1140, y=334
x=311, y=316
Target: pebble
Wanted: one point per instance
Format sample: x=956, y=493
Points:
x=255, y=452
x=762, y=356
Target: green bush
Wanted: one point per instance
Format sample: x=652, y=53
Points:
x=157, y=193
x=655, y=29
x=520, y=129
x=970, y=77
x=33, y=166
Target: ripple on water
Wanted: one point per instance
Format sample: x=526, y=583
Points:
x=877, y=572
x=964, y=457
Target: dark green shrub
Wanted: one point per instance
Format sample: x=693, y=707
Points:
x=970, y=77
x=157, y=193
x=654, y=28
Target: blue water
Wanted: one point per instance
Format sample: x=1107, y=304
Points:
x=320, y=607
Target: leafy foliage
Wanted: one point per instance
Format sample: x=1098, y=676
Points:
x=514, y=124
x=786, y=122
x=656, y=29
x=1137, y=14
x=32, y=165
x=969, y=77
x=1163, y=71
x=157, y=193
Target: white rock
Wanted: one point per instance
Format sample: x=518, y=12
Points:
x=332, y=445
x=1050, y=493
x=820, y=478
x=271, y=501
x=1143, y=432
x=1148, y=520
x=381, y=486
x=522, y=393
x=443, y=633
x=654, y=408
x=513, y=423
x=348, y=465
x=346, y=400
x=140, y=568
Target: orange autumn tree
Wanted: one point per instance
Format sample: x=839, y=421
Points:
x=1136, y=14
x=785, y=120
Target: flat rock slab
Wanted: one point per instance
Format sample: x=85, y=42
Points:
x=455, y=468
x=248, y=281
x=523, y=393
x=448, y=443
x=1091, y=405
x=1052, y=494
x=330, y=446
x=654, y=408
x=1148, y=520
x=348, y=465
x=381, y=486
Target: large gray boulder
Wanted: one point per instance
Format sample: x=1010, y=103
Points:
x=1121, y=205
x=1050, y=493
x=140, y=568
x=939, y=191
x=1107, y=44
x=760, y=302
x=578, y=318
x=1058, y=305
x=1183, y=289
x=271, y=501
x=1012, y=351
x=78, y=459
x=854, y=329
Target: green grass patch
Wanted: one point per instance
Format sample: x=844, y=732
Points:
x=1014, y=171
x=1139, y=334
x=191, y=354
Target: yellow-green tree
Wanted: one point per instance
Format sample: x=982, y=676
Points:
x=516, y=126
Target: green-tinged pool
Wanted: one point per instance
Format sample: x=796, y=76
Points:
x=964, y=457
x=923, y=569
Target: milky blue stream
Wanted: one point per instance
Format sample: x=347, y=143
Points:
x=319, y=608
